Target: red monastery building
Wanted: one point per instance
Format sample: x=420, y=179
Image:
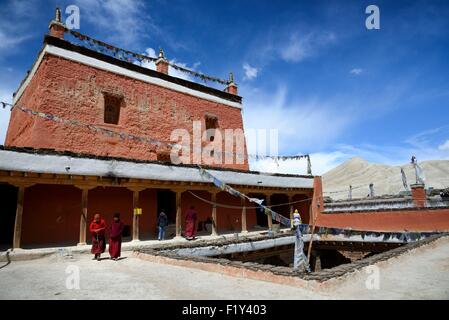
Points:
x=90, y=133
x=72, y=82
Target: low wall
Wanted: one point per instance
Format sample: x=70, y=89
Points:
x=425, y=219
x=234, y=248
x=271, y=273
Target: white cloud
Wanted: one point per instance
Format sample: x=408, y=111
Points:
x=325, y=161
x=124, y=21
x=302, y=125
x=9, y=41
x=250, y=72
x=299, y=47
x=356, y=71
x=424, y=143
x=16, y=26
x=179, y=74
x=420, y=144
x=171, y=71
x=296, y=50
x=444, y=146
x=149, y=64
x=321, y=163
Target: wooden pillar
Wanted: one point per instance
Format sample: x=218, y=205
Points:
x=19, y=212
x=315, y=262
x=268, y=203
x=178, y=213
x=83, y=217
x=214, y=213
x=244, y=226
x=136, y=217
x=290, y=199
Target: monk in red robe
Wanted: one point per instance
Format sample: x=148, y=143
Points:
x=98, y=229
x=115, y=237
x=191, y=216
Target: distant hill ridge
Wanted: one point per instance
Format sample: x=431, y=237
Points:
x=387, y=179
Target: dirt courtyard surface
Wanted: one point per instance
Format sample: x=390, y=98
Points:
x=131, y=278
x=422, y=273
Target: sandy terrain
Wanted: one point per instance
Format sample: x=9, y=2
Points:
x=131, y=278
x=386, y=179
x=421, y=274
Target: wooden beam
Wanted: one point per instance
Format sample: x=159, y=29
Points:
x=19, y=178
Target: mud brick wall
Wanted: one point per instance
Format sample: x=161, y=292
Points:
x=75, y=91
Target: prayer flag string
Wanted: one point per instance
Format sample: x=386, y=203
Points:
x=132, y=57
x=225, y=187
x=155, y=142
x=405, y=236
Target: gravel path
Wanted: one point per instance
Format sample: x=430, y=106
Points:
x=419, y=274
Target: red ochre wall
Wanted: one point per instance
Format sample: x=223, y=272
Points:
x=51, y=214
x=228, y=219
x=412, y=220
x=303, y=207
x=74, y=91
x=417, y=219
x=203, y=209
x=109, y=200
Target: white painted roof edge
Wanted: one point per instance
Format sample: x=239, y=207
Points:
x=28, y=78
x=59, y=164
x=77, y=57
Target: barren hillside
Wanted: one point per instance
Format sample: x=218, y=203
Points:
x=386, y=179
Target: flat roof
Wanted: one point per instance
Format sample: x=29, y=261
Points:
x=67, y=50
x=53, y=162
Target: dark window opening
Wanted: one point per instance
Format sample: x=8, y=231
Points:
x=163, y=156
x=112, y=106
x=211, y=123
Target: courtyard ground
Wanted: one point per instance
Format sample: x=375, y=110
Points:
x=421, y=273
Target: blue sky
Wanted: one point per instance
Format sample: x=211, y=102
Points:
x=310, y=69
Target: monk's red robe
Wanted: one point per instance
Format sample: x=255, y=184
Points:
x=190, y=223
x=115, y=238
x=98, y=238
